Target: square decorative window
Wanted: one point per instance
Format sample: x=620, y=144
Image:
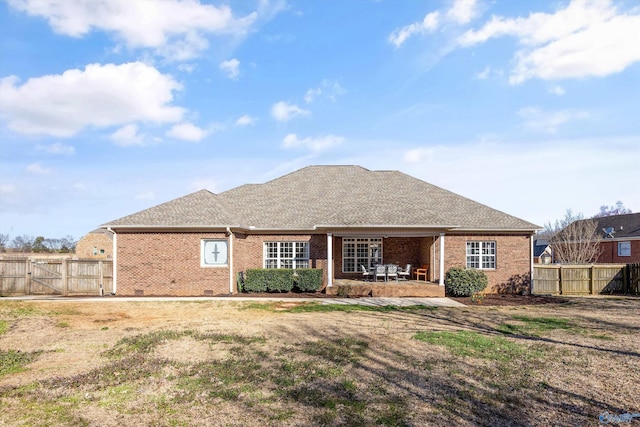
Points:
x=624, y=248
x=286, y=255
x=214, y=253
x=360, y=251
x=481, y=255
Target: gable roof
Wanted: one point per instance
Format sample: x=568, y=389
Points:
x=328, y=196
x=624, y=226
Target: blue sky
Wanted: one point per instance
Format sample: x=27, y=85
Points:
x=108, y=107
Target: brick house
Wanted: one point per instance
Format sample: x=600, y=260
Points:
x=96, y=244
x=619, y=238
x=335, y=218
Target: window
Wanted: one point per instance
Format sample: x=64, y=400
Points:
x=213, y=253
x=286, y=255
x=624, y=248
x=481, y=255
x=360, y=251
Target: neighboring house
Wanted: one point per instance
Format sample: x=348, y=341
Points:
x=620, y=238
x=542, y=253
x=96, y=244
x=335, y=218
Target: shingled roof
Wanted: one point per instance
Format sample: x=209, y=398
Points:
x=324, y=197
x=623, y=226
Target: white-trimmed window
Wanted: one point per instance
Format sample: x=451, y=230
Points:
x=481, y=255
x=286, y=255
x=624, y=248
x=214, y=253
x=360, y=251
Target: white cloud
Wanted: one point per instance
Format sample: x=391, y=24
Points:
x=99, y=96
x=231, y=68
x=427, y=25
x=127, y=136
x=283, y=112
x=484, y=74
x=176, y=29
x=463, y=11
x=37, y=169
x=245, y=120
x=557, y=90
x=586, y=38
x=331, y=90
x=57, y=148
x=311, y=95
x=549, y=121
x=187, y=132
x=313, y=144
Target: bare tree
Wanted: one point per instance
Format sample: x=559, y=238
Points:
x=4, y=239
x=23, y=243
x=577, y=243
x=618, y=209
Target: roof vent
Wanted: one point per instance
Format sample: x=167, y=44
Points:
x=609, y=232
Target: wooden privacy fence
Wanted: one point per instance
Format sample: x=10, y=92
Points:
x=55, y=276
x=585, y=279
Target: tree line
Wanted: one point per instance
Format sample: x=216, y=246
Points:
x=37, y=244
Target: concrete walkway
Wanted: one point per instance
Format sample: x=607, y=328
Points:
x=372, y=302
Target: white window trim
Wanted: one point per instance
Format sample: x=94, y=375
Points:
x=203, y=244
x=628, y=252
x=481, y=255
x=355, y=241
x=279, y=259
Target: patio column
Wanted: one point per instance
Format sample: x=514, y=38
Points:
x=329, y=260
x=441, y=259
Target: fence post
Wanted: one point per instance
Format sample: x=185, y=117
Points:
x=65, y=277
x=27, y=280
x=591, y=275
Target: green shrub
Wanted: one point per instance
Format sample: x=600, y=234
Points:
x=463, y=282
x=268, y=280
x=308, y=279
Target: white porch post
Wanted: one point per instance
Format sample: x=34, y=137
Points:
x=329, y=260
x=441, y=259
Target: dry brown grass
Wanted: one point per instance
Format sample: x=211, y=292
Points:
x=168, y=363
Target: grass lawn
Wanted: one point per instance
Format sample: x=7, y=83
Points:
x=131, y=363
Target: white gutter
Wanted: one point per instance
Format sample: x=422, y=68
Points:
x=329, y=260
x=230, y=260
x=531, y=265
x=441, y=259
x=114, y=286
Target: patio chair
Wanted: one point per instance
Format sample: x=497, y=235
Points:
x=421, y=272
x=404, y=274
x=366, y=274
x=381, y=271
x=392, y=272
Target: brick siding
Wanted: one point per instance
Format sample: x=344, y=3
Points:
x=513, y=257
x=169, y=263
x=102, y=243
x=609, y=252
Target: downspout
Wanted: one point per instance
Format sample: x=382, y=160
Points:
x=329, y=260
x=441, y=259
x=230, y=260
x=531, y=264
x=114, y=287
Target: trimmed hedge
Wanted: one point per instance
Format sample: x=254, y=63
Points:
x=463, y=282
x=268, y=280
x=308, y=279
x=280, y=280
